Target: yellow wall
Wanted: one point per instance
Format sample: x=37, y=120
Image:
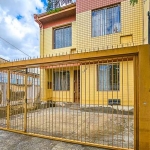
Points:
x=131, y=24
x=43, y=80
x=47, y=42
x=89, y=86
x=41, y=42
x=146, y=5
x=49, y=94
x=131, y=30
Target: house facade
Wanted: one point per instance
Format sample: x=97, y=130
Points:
x=92, y=25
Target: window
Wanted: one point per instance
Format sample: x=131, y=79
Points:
x=62, y=37
x=106, y=21
x=108, y=77
x=114, y=102
x=62, y=81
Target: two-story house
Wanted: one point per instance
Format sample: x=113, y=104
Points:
x=91, y=25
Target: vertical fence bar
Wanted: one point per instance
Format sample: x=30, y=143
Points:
x=25, y=104
x=128, y=98
x=78, y=97
x=97, y=88
x=62, y=107
x=89, y=103
x=118, y=88
x=85, y=104
x=65, y=68
x=136, y=103
x=122, y=97
x=103, y=103
x=8, y=100
x=107, y=105
x=52, y=74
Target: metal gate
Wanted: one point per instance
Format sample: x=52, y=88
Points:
x=88, y=102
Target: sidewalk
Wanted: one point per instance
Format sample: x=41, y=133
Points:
x=14, y=141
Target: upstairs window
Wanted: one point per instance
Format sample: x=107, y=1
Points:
x=106, y=21
x=62, y=37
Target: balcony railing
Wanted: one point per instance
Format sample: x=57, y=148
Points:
x=61, y=3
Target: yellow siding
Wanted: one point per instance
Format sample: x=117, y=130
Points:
x=126, y=39
x=145, y=13
x=131, y=24
x=43, y=80
x=131, y=34
x=90, y=94
x=49, y=94
x=41, y=42
x=48, y=42
x=88, y=83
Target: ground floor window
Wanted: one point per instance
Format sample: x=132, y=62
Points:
x=108, y=77
x=62, y=81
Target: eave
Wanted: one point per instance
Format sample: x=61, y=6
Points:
x=66, y=11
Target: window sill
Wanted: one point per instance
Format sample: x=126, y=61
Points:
x=68, y=48
x=109, y=91
x=106, y=35
x=60, y=91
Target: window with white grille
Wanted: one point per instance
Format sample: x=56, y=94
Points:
x=106, y=21
x=62, y=81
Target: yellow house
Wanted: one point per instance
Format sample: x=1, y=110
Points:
x=85, y=26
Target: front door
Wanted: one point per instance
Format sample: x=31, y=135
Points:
x=77, y=86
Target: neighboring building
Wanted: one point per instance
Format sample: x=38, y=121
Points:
x=2, y=60
x=17, y=85
x=3, y=85
x=92, y=25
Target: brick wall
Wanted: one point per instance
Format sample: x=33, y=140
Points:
x=86, y=5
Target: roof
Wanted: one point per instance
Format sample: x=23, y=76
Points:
x=62, y=8
x=65, y=11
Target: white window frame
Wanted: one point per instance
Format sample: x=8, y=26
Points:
x=61, y=81
x=108, y=80
x=64, y=40
x=101, y=17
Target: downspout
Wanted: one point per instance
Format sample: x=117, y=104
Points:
x=41, y=28
x=148, y=14
x=143, y=22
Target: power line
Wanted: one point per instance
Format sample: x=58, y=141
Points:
x=15, y=47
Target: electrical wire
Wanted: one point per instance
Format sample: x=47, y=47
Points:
x=14, y=46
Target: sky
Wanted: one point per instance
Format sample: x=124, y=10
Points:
x=17, y=26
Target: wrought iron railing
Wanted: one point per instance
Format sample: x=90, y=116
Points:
x=61, y=3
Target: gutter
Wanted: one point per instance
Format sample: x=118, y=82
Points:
x=36, y=18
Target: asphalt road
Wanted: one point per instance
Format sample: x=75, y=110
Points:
x=14, y=141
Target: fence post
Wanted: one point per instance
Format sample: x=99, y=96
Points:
x=144, y=97
x=25, y=104
x=8, y=100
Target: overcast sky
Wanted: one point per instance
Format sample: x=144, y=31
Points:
x=18, y=27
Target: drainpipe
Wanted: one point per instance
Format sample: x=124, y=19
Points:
x=148, y=27
x=41, y=28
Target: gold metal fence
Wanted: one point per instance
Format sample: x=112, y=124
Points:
x=88, y=102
